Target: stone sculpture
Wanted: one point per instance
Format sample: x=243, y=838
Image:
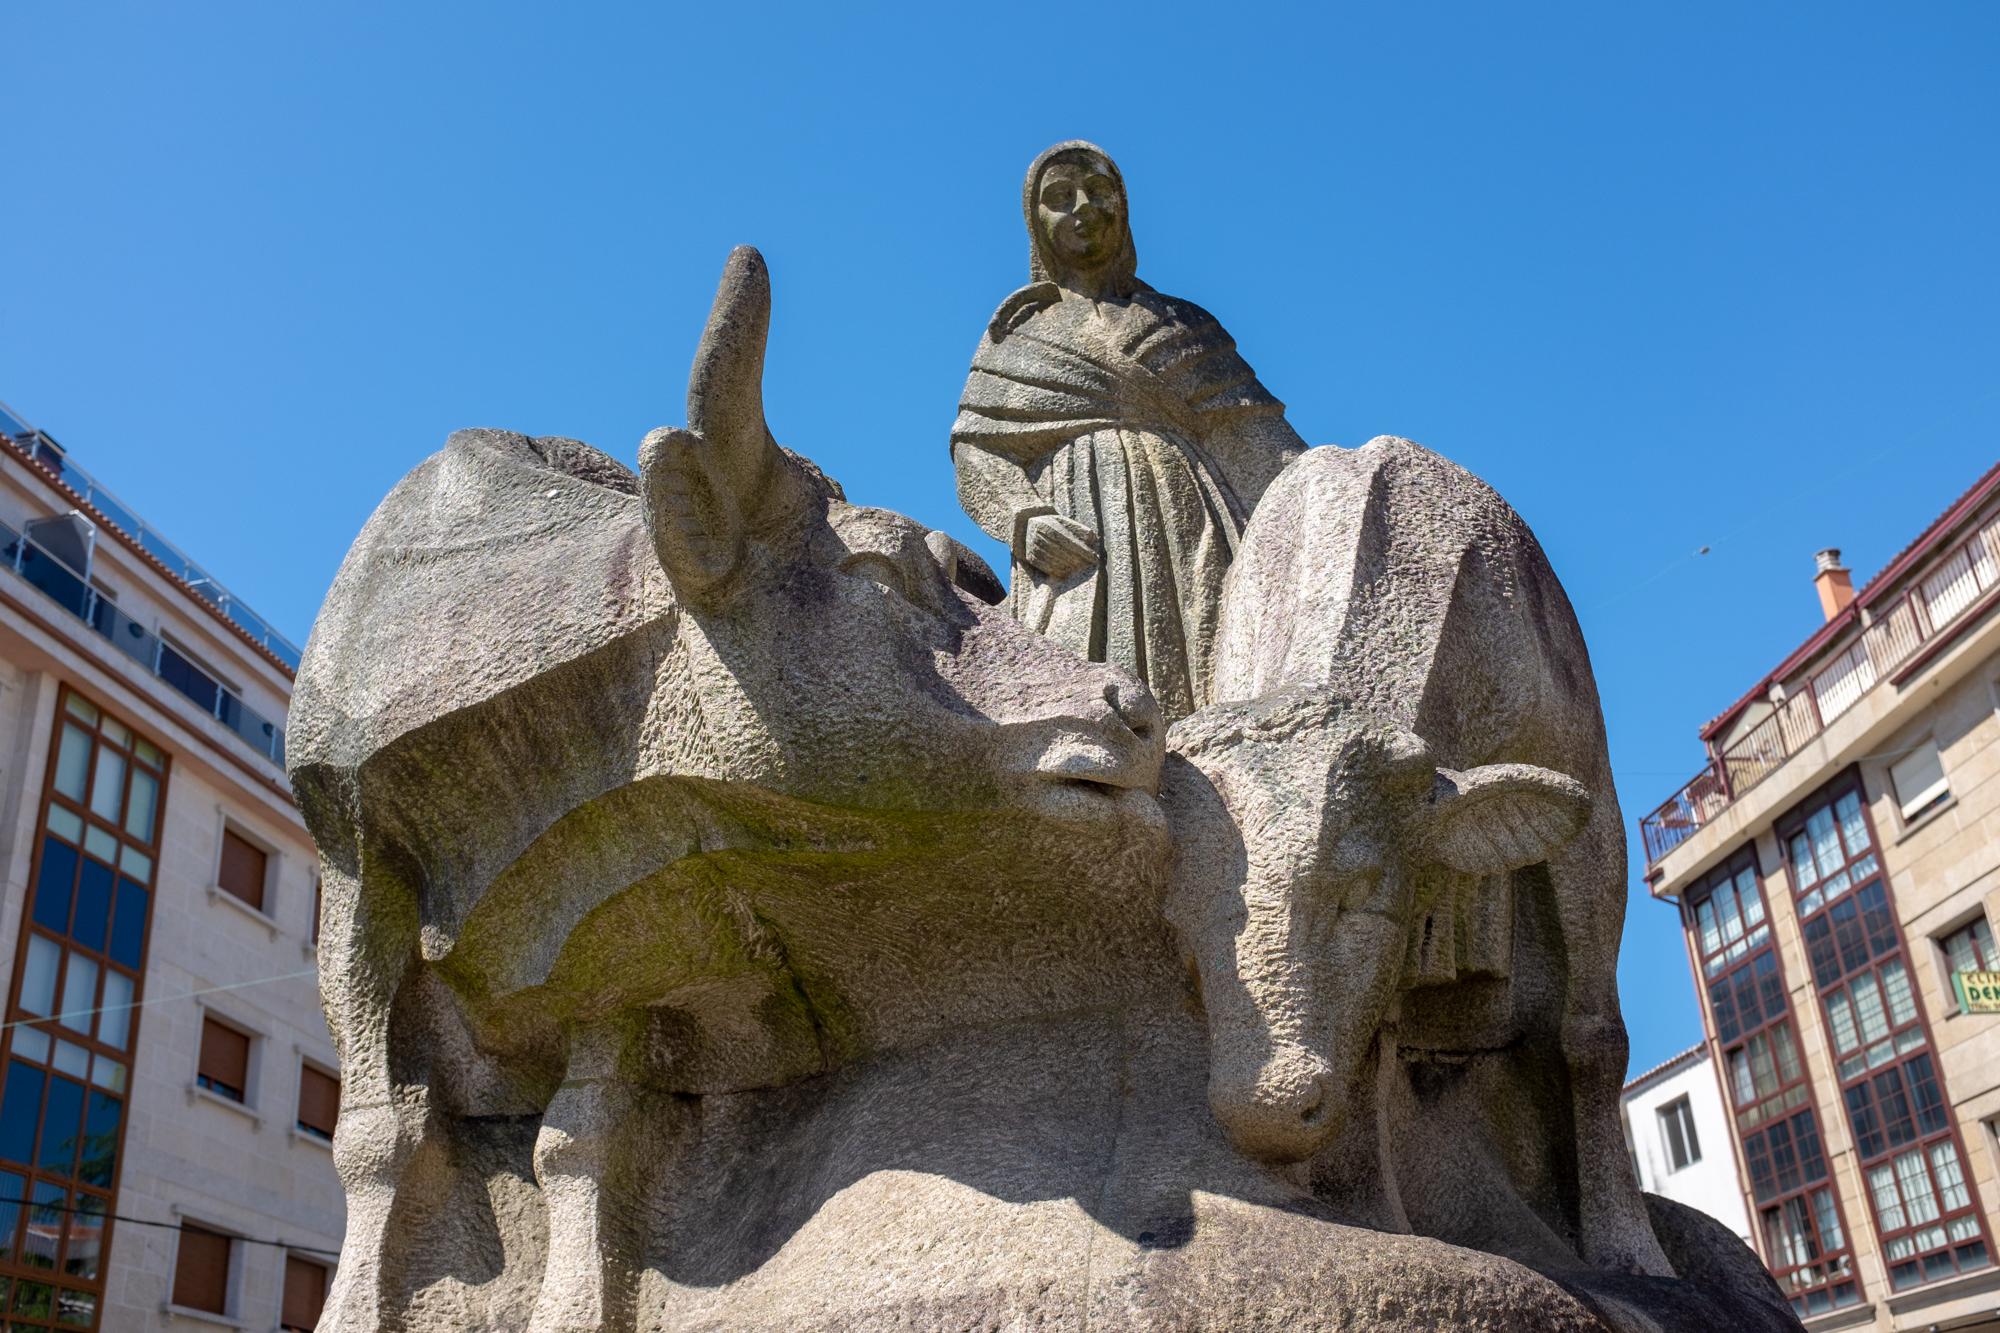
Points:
x=1113, y=438
x=735, y=920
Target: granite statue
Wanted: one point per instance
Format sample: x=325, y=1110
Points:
x=1416, y=951
x=1113, y=438
x=737, y=918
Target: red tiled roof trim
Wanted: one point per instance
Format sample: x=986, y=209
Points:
x=1901, y=564
x=132, y=544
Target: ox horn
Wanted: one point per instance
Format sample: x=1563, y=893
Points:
x=706, y=488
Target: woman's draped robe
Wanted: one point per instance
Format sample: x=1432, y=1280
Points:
x=1138, y=418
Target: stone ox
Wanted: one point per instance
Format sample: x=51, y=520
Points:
x=557, y=730
x=1401, y=866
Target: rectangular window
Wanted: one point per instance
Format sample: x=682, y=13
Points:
x=305, y=1295
x=1805, y=1247
x=225, y=1060
x=1908, y=1152
x=1919, y=780
x=201, y=1269
x=319, y=1102
x=1968, y=949
x=241, y=871
x=73, y=1014
x=1677, y=1132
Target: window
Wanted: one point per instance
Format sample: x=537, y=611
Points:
x=225, y=1060
x=1799, y=1217
x=201, y=1269
x=1916, y=1194
x=1919, y=780
x=319, y=905
x=72, y=1012
x=1968, y=949
x=1805, y=1249
x=1677, y=1132
x=305, y=1295
x=241, y=871
x=319, y=1102
x=1889, y=1081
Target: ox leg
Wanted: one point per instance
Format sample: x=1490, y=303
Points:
x=593, y=1183
x=1589, y=881
x=386, y=1140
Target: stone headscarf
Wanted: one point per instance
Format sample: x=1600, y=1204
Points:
x=1043, y=263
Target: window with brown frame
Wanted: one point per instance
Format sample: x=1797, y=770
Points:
x=319, y=1102
x=73, y=1012
x=241, y=872
x=224, y=1067
x=201, y=1269
x=305, y=1295
x=1805, y=1244
x=1910, y=1160
x=1967, y=949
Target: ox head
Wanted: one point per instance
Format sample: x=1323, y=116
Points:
x=1305, y=834
x=849, y=655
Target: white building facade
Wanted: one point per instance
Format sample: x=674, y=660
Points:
x=168, y=1088
x=1678, y=1134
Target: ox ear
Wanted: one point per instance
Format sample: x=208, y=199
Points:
x=707, y=489
x=1500, y=817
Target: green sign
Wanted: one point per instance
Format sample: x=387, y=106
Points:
x=1978, y=992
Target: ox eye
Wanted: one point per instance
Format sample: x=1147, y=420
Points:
x=878, y=569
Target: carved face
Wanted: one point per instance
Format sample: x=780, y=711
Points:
x=1081, y=211
x=1304, y=832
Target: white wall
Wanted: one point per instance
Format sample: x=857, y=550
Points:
x=1709, y=1183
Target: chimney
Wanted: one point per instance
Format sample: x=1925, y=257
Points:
x=1835, y=584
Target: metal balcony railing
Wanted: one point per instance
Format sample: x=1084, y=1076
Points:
x=1893, y=635
x=33, y=445
x=63, y=585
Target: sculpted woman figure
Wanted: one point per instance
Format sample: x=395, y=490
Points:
x=1114, y=439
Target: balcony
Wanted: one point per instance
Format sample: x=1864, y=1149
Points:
x=53, y=578
x=38, y=448
x=1893, y=636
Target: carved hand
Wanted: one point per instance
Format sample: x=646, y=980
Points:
x=1058, y=546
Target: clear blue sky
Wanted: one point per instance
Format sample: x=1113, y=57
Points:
x=1668, y=275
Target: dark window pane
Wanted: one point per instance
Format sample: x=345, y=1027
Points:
x=188, y=678
x=1894, y=1109
x=1749, y=1012
x=1861, y=1115
x=47, y=1211
x=1784, y=1162
x=11, y=1192
x=1770, y=984
x=1819, y=949
x=86, y=1238
x=52, y=885
x=1925, y=1093
x=20, y=1108
x=60, y=1126
x=128, y=925
x=1847, y=933
x=1880, y=925
x=1805, y=1131
x=100, y=1139
x=1763, y=1182
x=93, y=904
x=34, y=1299
x=1723, y=996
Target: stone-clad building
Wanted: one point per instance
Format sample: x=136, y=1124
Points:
x=1835, y=866
x=167, y=1085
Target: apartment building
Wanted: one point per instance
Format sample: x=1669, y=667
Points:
x=1836, y=867
x=168, y=1090
x=1677, y=1130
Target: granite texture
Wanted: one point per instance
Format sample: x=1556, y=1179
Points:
x=734, y=919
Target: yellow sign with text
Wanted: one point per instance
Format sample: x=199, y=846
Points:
x=1978, y=992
